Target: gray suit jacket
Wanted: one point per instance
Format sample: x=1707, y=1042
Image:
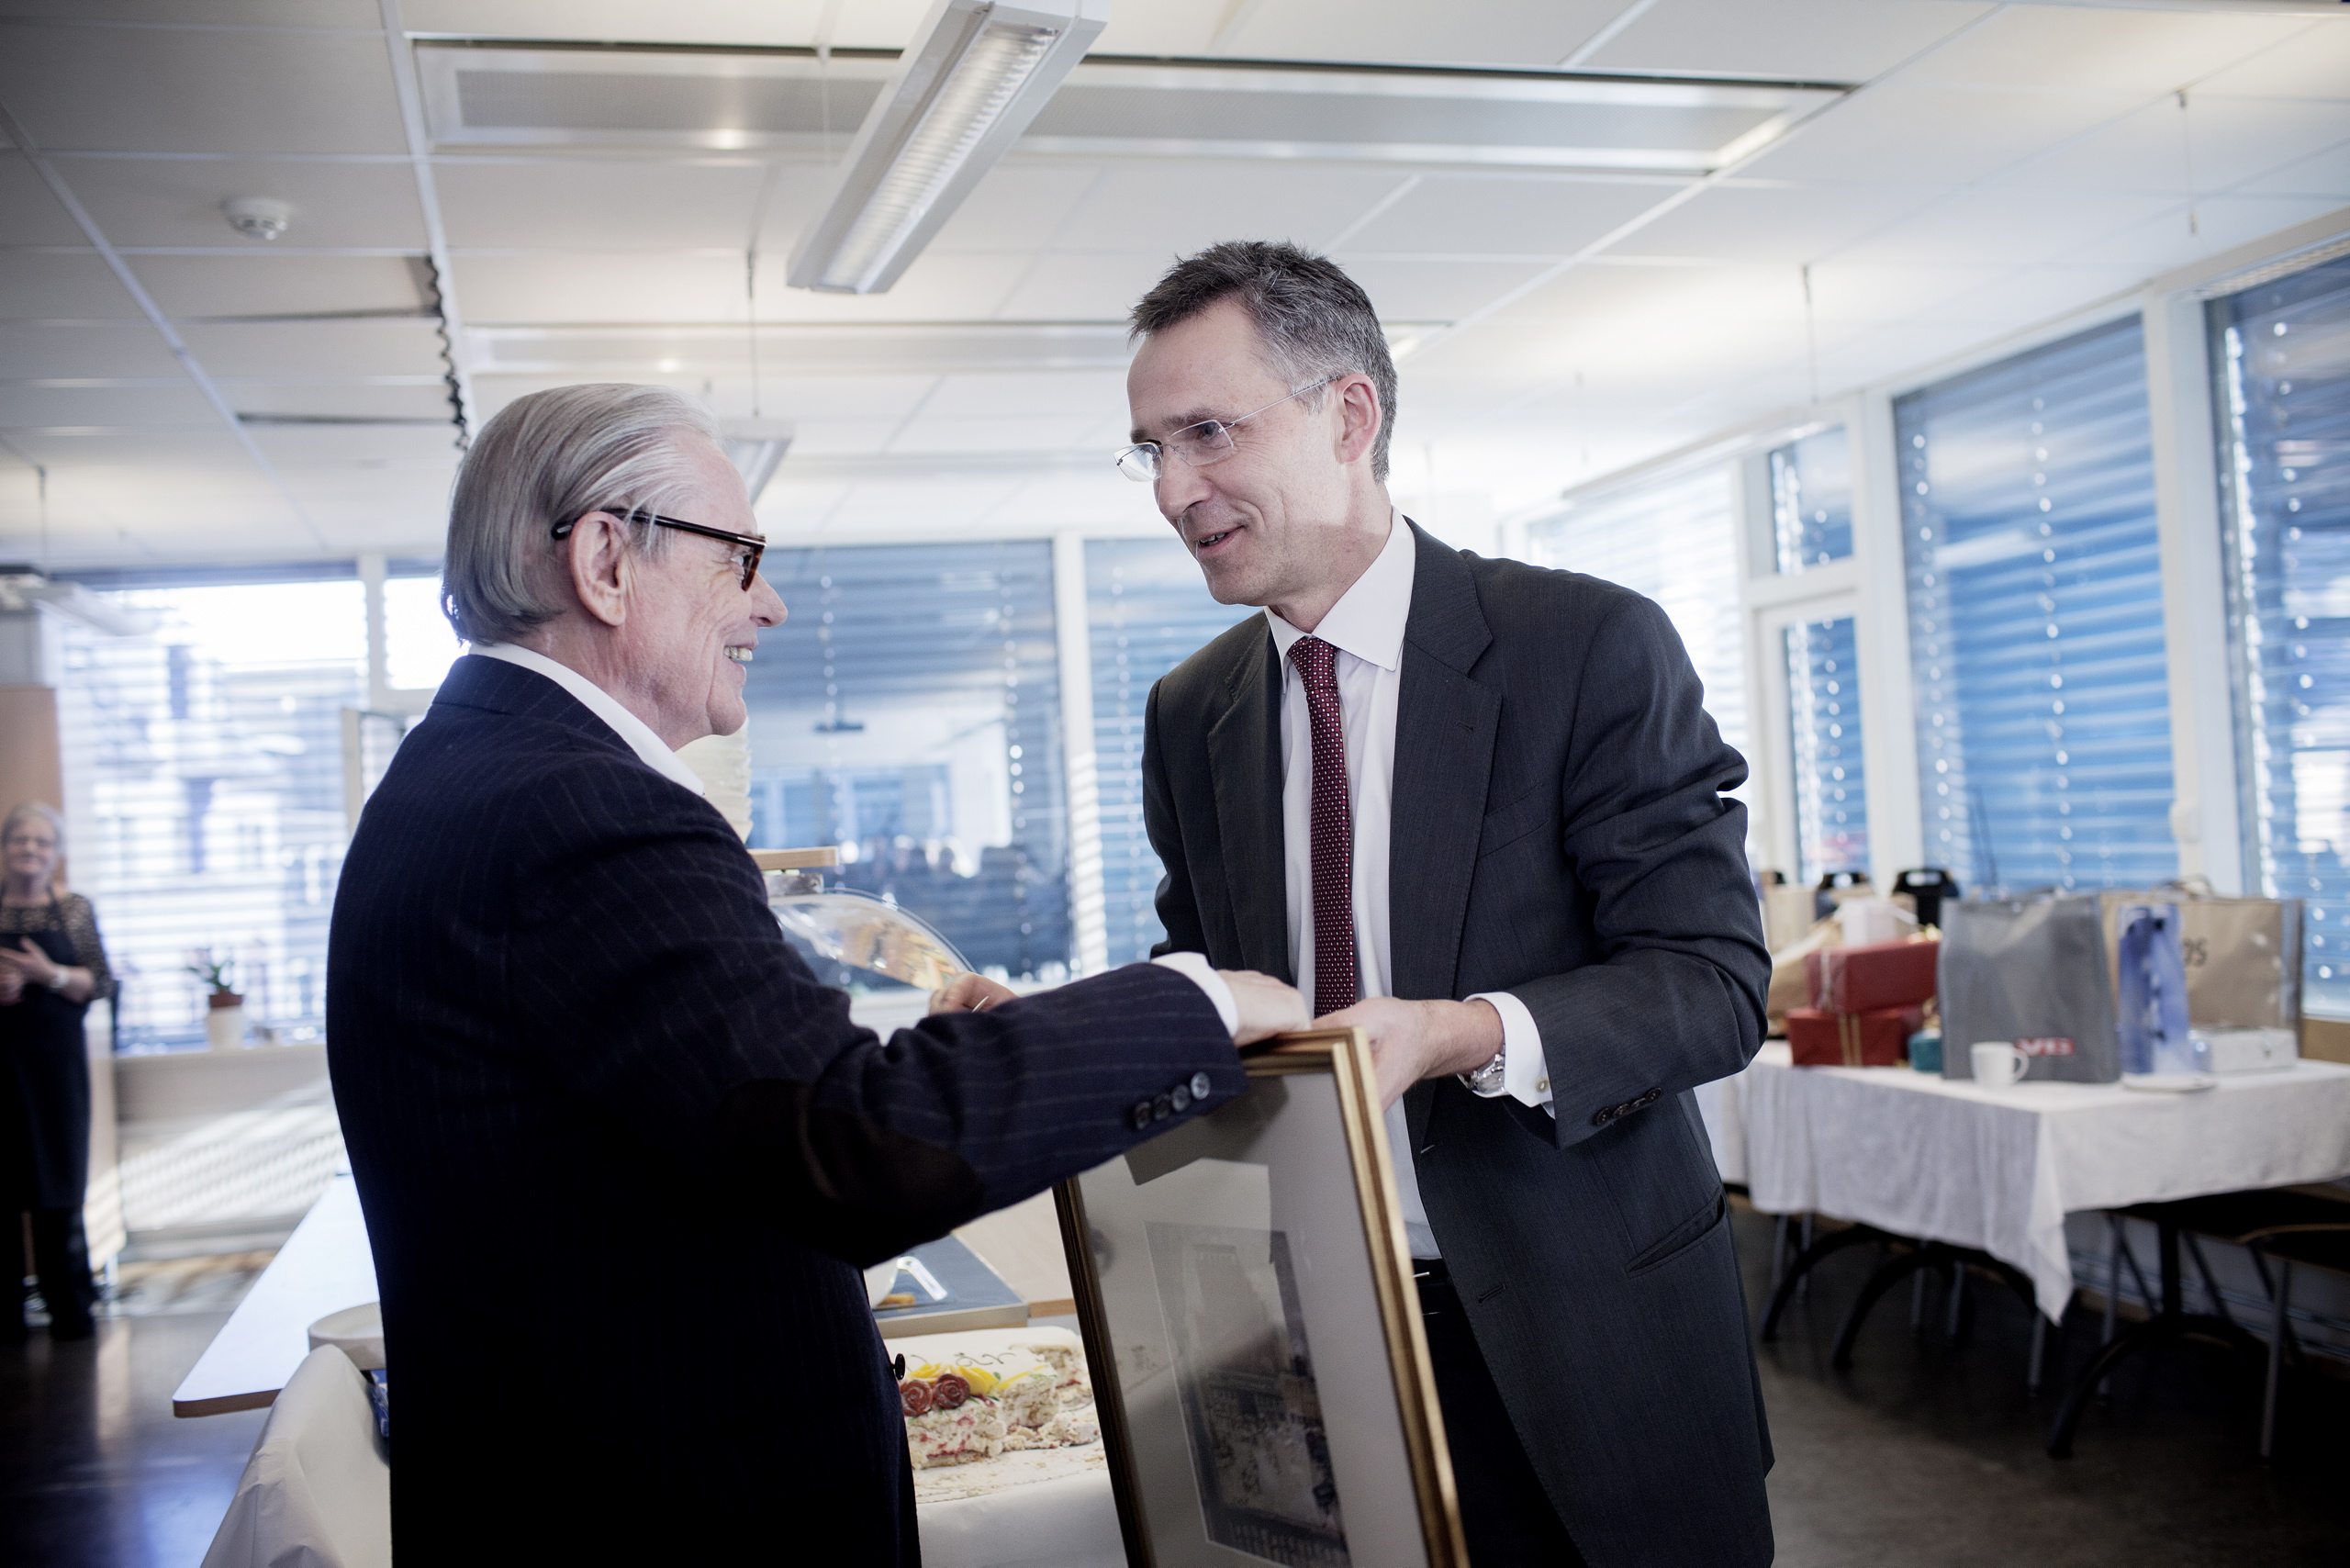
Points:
x=1559, y=833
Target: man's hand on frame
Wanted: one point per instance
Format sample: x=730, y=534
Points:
x=1413, y=1040
x=1266, y=1006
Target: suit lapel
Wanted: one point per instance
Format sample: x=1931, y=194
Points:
x=1445, y=727
x=1244, y=762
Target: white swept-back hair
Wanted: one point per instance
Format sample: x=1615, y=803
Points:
x=545, y=459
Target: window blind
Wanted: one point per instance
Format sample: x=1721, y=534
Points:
x=209, y=754
x=1674, y=541
x=1824, y=725
x=1148, y=611
x=2282, y=354
x=2036, y=618
x=909, y=710
x=1811, y=500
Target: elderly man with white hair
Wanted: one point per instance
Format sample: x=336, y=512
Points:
x=620, y=1150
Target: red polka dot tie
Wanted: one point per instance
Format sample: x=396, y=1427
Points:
x=1334, y=831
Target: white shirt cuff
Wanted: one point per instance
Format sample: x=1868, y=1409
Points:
x=1526, y=1071
x=1196, y=967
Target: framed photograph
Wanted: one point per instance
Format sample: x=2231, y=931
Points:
x=1247, y=1307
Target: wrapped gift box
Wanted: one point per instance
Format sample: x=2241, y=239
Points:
x=1863, y=979
x=1879, y=1037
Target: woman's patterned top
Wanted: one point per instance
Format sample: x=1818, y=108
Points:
x=72, y=915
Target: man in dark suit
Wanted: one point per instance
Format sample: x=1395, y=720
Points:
x=618, y=1147
x=1476, y=808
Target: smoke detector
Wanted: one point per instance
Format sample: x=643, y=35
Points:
x=257, y=218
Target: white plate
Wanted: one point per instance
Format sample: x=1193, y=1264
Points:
x=2169, y=1083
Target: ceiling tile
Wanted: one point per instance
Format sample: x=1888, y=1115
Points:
x=2214, y=143
x=1021, y=206
x=1505, y=215
x=2222, y=223
x=2004, y=225
x=175, y=201
x=609, y=204
x=345, y=13
x=840, y=438
x=1478, y=32
x=34, y=285
x=56, y=406
x=1939, y=136
x=294, y=447
x=1810, y=40
x=339, y=400
x=1786, y=223
x=1021, y=433
x=1410, y=290
x=2327, y=174
x=886, y=24
x=318, y=348
x=30, y=353
x=71, y=451
x=1852, y=295
x=2031, y=295
x=1174, y=207
x=180, y=91
x=2099, y=49
x=2312, y=64
x=1182, y=27
x=578, y=287
x=283, y=284
x=1083, y=394
x=33, y=215
x=1065, y=287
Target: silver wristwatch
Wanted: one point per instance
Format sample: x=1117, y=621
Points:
x=1487, y=1079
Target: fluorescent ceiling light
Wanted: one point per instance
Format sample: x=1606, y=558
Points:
x=962, y=95
x=755, y=447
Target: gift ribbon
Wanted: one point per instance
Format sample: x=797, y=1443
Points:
x=1848, y=1035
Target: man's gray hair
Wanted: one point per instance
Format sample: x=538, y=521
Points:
x=1314, y=319
x=546, y=459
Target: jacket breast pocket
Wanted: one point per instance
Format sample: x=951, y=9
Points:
x=1529, y=814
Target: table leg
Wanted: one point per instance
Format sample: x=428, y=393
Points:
x=2279, y=1295
x=1808, y=1259
x=1924, y=1255
x=2210, y=1285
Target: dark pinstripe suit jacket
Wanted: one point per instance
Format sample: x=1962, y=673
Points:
x=618, y=1149
x=1559, y=833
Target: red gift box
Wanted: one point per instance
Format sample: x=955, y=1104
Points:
x=1863, y=979
x=1879, y=1037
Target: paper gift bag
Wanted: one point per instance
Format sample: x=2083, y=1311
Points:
x=2242, y=956
x=2033, y=971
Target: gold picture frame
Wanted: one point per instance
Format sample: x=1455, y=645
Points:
x=1316, y=1274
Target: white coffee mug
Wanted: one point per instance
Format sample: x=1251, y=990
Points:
x=1998, y=1063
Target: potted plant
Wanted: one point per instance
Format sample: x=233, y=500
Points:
x=224, y=1019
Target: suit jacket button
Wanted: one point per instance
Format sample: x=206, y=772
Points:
x=1162, y=1107
x=1181, y=1097
x=1599, y=1118
x=1140, y=1114
x=1201, y=1086
x=1651, y=1097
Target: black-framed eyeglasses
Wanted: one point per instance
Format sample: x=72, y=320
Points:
x=1208, y=441
x=753, y=545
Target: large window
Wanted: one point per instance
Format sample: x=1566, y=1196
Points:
x=2036, y=620
x=908, y=709
x=1824, y=736
x=1148, y=611
x=2283, y=353
x=1677, y=542
x=1811, y=501
x=207, y=769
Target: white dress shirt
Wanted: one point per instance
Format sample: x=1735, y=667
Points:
x=1367, y=628
x=656, y=755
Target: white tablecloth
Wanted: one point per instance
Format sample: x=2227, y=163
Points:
x=1918, y=1154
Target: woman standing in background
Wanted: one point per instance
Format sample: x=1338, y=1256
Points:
x=52, y=967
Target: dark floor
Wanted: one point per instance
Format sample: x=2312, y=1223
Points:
x=1928, y=1457
x=1921, y=1457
